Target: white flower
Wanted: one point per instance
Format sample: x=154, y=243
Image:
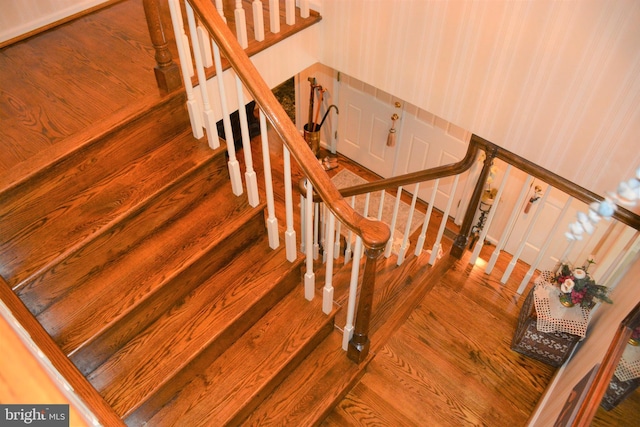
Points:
x=579, y=273
x=567, y=286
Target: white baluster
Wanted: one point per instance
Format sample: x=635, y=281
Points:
x=381, y=205
x=274, y=16
x=351, y=303
x=249, y=173
x=347, y=249
x=241, y=25
x=545, y=246
x=220, y=8
x=303, y=224
x=603, y=277
x=336, y=244
x=205, y=44
x=290, y=233
x=507, y=230
x=445, y=216
x=492, y=212
x=272, y=221
x=208, y=116
x=304, y=8
x=234, y=166
x=327, y=294
x=392, y=226
x=309, y=276
x=407, y=229
x=316, y=231
x=195, y=115
x=258, y=20
x=290, y=12
x=427, y=218
x=523, y=240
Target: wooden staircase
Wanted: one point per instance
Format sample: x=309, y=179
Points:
x=159, y=285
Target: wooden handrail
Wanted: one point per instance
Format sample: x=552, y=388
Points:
x=375, y=234
x=80, y=385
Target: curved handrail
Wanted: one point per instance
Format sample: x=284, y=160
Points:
x=477, y=143
x=375, y=234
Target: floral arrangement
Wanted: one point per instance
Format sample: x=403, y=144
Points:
x=577, y=287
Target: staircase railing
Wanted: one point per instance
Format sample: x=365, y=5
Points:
x=203, y=16
x=612, y=246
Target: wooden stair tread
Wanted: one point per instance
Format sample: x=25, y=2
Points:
x=241, y=377
x=85, y=194
x=195, y=322
x=139, y=258
x=309, y=393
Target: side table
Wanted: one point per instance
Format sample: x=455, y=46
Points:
x=552, y=348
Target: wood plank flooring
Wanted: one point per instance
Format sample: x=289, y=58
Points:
x=448, y=364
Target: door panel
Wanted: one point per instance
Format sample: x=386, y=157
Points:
x=425, y=145
x=363, y=130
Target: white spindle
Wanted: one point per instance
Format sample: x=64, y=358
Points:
x=407, y=229
x=304, y=8
x=241, y=25
x=290, y=233
x=381, y=205
x=507, y=230
x=274, y=16
x=351, y=303
x=233, y=165
x=290, y=12
x=523, y=240
x=427, y=218
x=249, y=173
x=195, y=115
x=347, y=249
x=336, y=244
x=208, y=115
x=443, y=223
x=205, y=46
x=258, y=20
x=316, y=230
x=272, y=221
x=392, y=226
x=220, y=8
x=303, y=224
x=365, y=213
x=492, y=213
x=545, y=246
x=309, y=276
x=327, y=294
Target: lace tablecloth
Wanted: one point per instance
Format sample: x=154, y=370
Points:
x=629, y=365
x=552, y=316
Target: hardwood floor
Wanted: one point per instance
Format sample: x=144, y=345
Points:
x=449, y=363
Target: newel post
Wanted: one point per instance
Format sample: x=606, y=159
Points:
x=167, y=72
x=460, y=243
x=359, y=344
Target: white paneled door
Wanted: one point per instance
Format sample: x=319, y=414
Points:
x=427, y=142
x=363, y=126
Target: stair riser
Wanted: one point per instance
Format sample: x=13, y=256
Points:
x=101, y=347
x=49, y=215
x=250, y=406
x=167, y=392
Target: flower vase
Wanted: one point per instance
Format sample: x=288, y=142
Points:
x=634, y=341
x=565, y=299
